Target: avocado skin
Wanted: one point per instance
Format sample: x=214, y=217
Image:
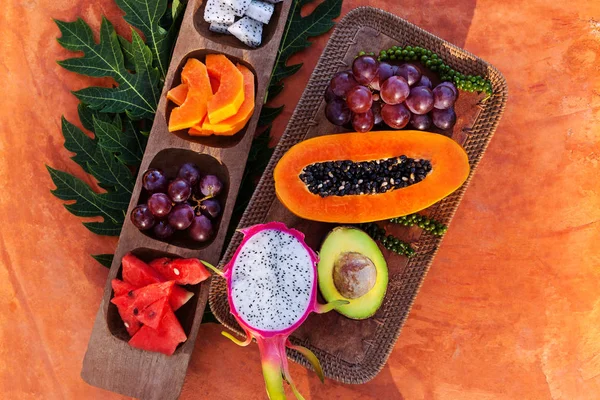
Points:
x=342, y=240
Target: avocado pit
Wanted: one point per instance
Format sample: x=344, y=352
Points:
x=354, y=274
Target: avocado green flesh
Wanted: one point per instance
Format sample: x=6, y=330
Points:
x=351, y=240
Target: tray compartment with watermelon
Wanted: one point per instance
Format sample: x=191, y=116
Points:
x=110, y=362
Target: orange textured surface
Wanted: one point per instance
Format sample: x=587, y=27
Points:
x=511, y=306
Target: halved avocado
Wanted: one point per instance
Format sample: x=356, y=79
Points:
x=352, y=267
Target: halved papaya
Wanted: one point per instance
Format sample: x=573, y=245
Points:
x=230, y=95
x=178, y=94
x=235, y=123
x=194, y=108
x=366, y=177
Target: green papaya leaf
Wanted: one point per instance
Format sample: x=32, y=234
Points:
x=136, y=93
x=146, y=15
x=104, y=259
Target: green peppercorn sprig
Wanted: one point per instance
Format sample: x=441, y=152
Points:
x=390, y=242
x=469, y=83
x=427, y=224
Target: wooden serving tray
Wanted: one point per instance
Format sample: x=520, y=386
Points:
x=353, y=351
x=110, y=363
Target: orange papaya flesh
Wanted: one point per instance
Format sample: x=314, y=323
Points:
x=229, y=97
x=197, y=130
x=194, y=108
x=214, y=83
x=450, y=169
x=178, y=94
x=236, y=123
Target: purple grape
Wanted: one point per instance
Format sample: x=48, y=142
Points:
x=359, y=99
x=364, y=69
x=159, y=205
x=180, y=190
x=410, y=72
x=190, y=173
x=210, y=185
x=384, y=72
x=424, y=81
x=201, y=229
x=395, y=116
x=329, y=95
x=211, y=207
x=420, y=122
x=154, y=181
x=394, y=90
x=376, y=108
x=443, y=97
x=363, y=122
x=142, y=218
x=443, y=119
x=451, y=86
x=420, y=100
x=181, y=216
x=337, y=112
x=163, y=230
x=342, y=82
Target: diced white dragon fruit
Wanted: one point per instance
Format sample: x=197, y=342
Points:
x=239, y=6
x=260, y=11
x=219, y=28
x=248, y=31
x=217, y=11
x=273, y=1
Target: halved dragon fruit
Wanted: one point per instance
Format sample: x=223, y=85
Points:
x=272, y=288
x=219, y=28
x=260, y=11
x=218, y=12
x=239, y=6
x=248, y=31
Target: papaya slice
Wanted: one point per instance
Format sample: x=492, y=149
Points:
x=236, y=123
x=214, y=83
x=373, y=181
x=178, y=94
x=230, y=95
x=194, y=107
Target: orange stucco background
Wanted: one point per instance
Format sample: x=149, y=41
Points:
x=511, y=306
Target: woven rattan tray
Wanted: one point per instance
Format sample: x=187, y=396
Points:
x=355, y=351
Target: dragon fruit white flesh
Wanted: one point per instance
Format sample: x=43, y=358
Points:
x=273, y=1
x=272, y=288
x=260, y=11
x=218, y=12
x=219, y=28
x=239, y=6
x=248, y=31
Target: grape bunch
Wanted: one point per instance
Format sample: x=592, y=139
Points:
x=187, y=203
x=376, y=93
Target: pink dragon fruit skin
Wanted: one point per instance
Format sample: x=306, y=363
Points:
x=272, y=343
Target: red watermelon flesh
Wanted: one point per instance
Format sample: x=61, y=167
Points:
x=184, y=271
x=179, y=297
x=154, y=313
x=138, y=273
x=120, y=288
x=164, y=339
x=133, y=303
x=129, y=320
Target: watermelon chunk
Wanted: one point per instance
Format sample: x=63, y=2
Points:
x=184, y=271
x=133, y=303
x=164, y=339
x=154, y=313
x=120, y=288
x=138, y=273
x=129, y=320
x=179, y=297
